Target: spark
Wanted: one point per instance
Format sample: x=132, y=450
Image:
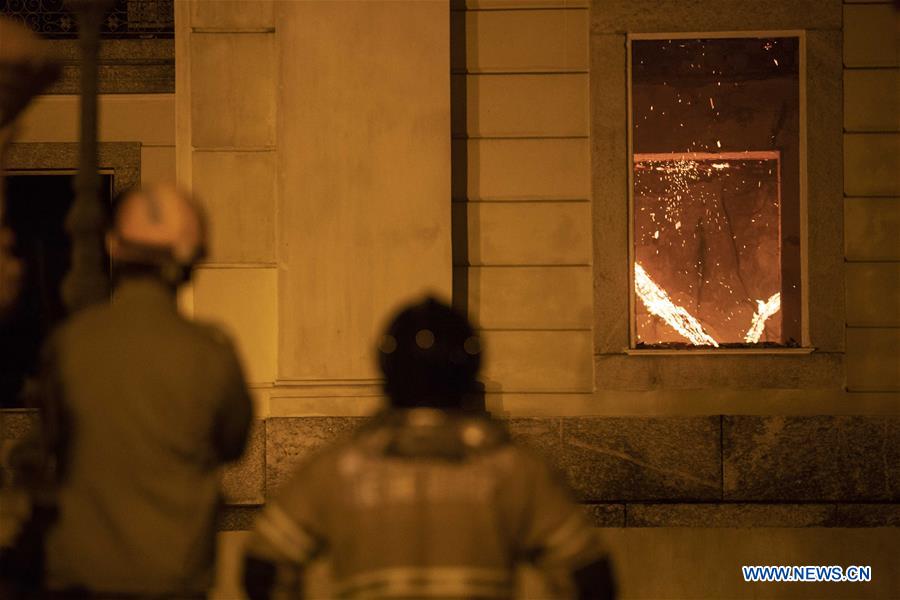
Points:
x=657, y=302
x=718, y=144
x=712, y=104
x=775, y=60
x=764, y=310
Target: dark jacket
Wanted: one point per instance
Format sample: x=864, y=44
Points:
x=145, y=407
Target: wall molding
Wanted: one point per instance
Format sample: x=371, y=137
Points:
x=128, y=66
x=123, y=159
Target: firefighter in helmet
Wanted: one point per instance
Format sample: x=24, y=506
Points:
x=429, y=499
x=142, y=408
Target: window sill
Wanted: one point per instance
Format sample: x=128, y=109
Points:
x=714, y=351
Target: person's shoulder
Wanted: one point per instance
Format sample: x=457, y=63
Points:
x=483, y=434
x=324, y=466
x=83, y=324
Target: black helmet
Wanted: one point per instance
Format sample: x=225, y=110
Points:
x=430, y=356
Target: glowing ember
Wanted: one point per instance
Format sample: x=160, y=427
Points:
x=764, y=310
x=658, y=303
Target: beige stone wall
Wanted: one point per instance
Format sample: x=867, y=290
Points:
x=872, y=197
x=318, y=135
x=225, y=146
x=363, y=178
x=525, y=206
x=522, y=231
x=145, y=118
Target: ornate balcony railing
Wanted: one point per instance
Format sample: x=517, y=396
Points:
x=126, y=19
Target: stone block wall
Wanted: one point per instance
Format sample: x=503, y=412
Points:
x=521, y=193
x=317, y=135
x=872, y=196
x=704, y=471
x=226, y=148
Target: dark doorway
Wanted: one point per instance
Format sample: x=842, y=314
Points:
x=36, y=208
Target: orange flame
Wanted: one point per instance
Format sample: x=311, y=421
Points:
x=658, y=303
x=764, y=310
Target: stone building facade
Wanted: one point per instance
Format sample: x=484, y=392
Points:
x=355, y=155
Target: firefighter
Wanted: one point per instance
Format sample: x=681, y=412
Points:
x=141, y=408
x=428, y=499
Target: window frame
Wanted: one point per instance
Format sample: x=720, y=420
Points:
x=805, y=344
x=820, y=365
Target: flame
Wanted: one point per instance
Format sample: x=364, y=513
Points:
x=764, y=310
x=658, y=303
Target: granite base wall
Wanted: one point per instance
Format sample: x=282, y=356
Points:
x=705, y=471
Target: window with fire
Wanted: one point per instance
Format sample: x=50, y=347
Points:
x=716, y=212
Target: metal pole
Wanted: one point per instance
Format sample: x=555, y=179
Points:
x=86, y=282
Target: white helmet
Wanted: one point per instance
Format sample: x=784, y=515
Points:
x=158, y=226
